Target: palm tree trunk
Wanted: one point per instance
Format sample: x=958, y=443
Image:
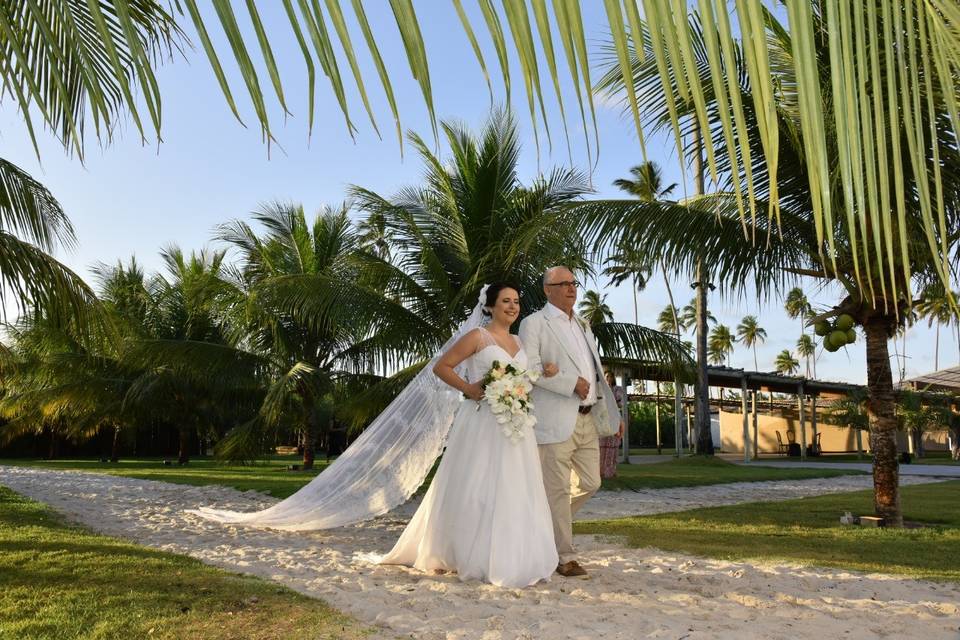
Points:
x=704, y=438
x=636, y=316
x=883, y=423
x=54, y=451
x=702, y=425
x=115, y=448
x=183, y=456
x=936, y=349
x=677, y=391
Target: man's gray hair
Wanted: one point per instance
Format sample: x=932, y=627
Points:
x=549, y=272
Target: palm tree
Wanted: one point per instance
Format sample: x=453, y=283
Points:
x=628, y=265
x=668, y=320
x=806, y=349
x=792, y=242
x=721, y=344
x=375, y=236
x=306, y=360
x=938, y=308
x=850, y=411
x=470, y=223
x=32, y=225
x=688, y=315
x=594, y=309
x=750, y=333
x=786, y=364
x=647, y=183
x=797, y=306
x=188, y=308
x=647, y=186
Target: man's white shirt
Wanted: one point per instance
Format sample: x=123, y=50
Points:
x=572, y=333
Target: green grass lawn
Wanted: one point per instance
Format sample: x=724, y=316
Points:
x=696, y=471
x=62, y=581
x=808, y=531
x=270, y=475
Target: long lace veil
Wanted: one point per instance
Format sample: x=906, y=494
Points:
x=383, y=467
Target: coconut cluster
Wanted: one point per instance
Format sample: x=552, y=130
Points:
x=838, y=333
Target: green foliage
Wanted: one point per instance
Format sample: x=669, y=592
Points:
x=643, y=424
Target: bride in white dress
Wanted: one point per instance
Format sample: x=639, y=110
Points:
x=485, y=515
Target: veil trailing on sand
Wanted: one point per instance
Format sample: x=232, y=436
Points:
x=383, y=467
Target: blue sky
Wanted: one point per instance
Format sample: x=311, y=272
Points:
x=133, y=199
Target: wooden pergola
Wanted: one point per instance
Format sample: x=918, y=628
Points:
x=807, y=391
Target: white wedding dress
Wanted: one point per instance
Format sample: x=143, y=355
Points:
x=485, y=515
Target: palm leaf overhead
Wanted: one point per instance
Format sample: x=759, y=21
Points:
x=874, y=259
x=893, y=71
x=32, y=223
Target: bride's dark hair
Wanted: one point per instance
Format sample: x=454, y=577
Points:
x=493, y=292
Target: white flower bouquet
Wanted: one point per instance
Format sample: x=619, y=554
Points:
x=506, y=389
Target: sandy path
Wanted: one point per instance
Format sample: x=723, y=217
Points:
x=633, y=593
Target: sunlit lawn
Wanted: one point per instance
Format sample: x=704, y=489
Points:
x=808, y=531
x=62, y=581
x=270, y=475
x=696, y=471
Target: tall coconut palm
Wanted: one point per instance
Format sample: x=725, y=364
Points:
x=786, y=364
x=375, y=236
x=688, y=315
x=628, y=265
x=647, y=183
x=668, y=320
x=750, y=333
x=793, y=242
x=471, y=222
x=797, y=306
x=594, y=309
x=721, y=343
x=188, y=307
x=647, y=186
x=938, y=308
x=807, y=349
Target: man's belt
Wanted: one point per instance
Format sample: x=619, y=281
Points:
x=585, y=409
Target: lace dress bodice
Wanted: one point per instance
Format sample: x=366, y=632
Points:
x=490, y=351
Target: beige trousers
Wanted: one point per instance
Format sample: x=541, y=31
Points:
x=571, y=474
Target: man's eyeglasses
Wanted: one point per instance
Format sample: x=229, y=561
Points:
x=575, y=284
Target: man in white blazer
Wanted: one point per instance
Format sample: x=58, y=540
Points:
x=574, y=408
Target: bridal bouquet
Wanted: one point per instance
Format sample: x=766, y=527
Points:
x=507, y=390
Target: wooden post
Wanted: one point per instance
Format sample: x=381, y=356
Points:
x=756, y=439
x=813, y=419
x=656, y=410
x=859, y=445
x=677, y=413
x=625, y=416
x=746, y=417
x=803, y=426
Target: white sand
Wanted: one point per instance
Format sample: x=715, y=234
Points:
x=632, y=593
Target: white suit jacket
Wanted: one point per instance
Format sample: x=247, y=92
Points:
x=554, y=402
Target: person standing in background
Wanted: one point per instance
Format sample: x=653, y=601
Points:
x=610, y=444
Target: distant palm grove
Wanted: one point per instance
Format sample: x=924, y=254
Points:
x=297, y=328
